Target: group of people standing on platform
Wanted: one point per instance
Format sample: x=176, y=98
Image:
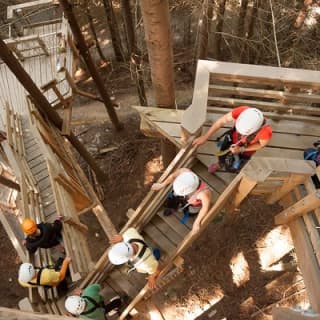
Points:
x=249, y=133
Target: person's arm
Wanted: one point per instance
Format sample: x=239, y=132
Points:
x=170, y=179
x=235, y=149
x=64, y=268
x=116, y=239
x=152, y=279
x=205, y=198
x=215, y=126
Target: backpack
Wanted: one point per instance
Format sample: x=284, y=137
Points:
x=312, y=154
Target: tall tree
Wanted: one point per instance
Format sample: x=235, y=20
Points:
x=134, y=51
x=219, y=28
x=86, y=8
x=204, y=28
x=158, y=38
x=114, y=30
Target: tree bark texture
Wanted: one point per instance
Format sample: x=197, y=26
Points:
x=114, y=31
x=219, y=28
x=43, y=105
x=246, y=53
x=84, y=51
x=204, y=28
x=93, y=31
x=155, y=15
x=134, y=52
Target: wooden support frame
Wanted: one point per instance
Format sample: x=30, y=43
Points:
x=306, y=204
x=289, y=184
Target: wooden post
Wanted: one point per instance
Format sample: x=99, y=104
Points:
x=245, y=187
x=9, y=183
x=288, y=185
x=43, y=104
x=308, y=203
x=84, y=51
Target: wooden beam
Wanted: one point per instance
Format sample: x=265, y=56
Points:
x=280, y=313
x=244, y=188
x=305, y=205
x=9, y=183
x=265, y=105
x=78, y=225
x=262, y=93
x=195, y=116
x=307, y=261
x=289, y=184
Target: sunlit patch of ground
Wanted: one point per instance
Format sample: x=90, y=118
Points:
x=153, y=167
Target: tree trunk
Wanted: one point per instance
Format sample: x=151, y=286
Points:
x=204, y=28
x=84, y=51
x=158, y=37
x=114, y=31
x=246, y=53
x=242, y=15
x=134, y=52
x=219, y=28
x=93, y=31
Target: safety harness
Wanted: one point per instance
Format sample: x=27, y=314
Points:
x=96, y=305
x=139, y=259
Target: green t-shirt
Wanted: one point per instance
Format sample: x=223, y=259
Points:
x=93, y=291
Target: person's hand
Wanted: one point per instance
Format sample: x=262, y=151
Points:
x=24, y=242
x=156, y=186
x=151, y=282
x=116, y=238
x=67, y=259
x=235, y=149
x=77, y=292
x=200, y=140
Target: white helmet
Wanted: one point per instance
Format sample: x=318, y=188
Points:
x=120, y=253
x=26, y=272
x=185, y=183
x=75, y=305
x=249, y=121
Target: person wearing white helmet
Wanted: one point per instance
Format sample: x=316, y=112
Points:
x=194, y=194
x=30, y=276
x=131, y=248
x=248, y=134
x=89, y=303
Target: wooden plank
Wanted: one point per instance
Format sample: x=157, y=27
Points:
x=307, y=261
x=263, y=93
x=306, y=204
x=165, y=228
x=159, y=238
x=123, y=282
x=175, y=224
x=264, y=105
x=262, y=74
x=194, y=117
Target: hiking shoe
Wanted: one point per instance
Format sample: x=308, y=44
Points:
x=214, y=167
x=116, y=303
